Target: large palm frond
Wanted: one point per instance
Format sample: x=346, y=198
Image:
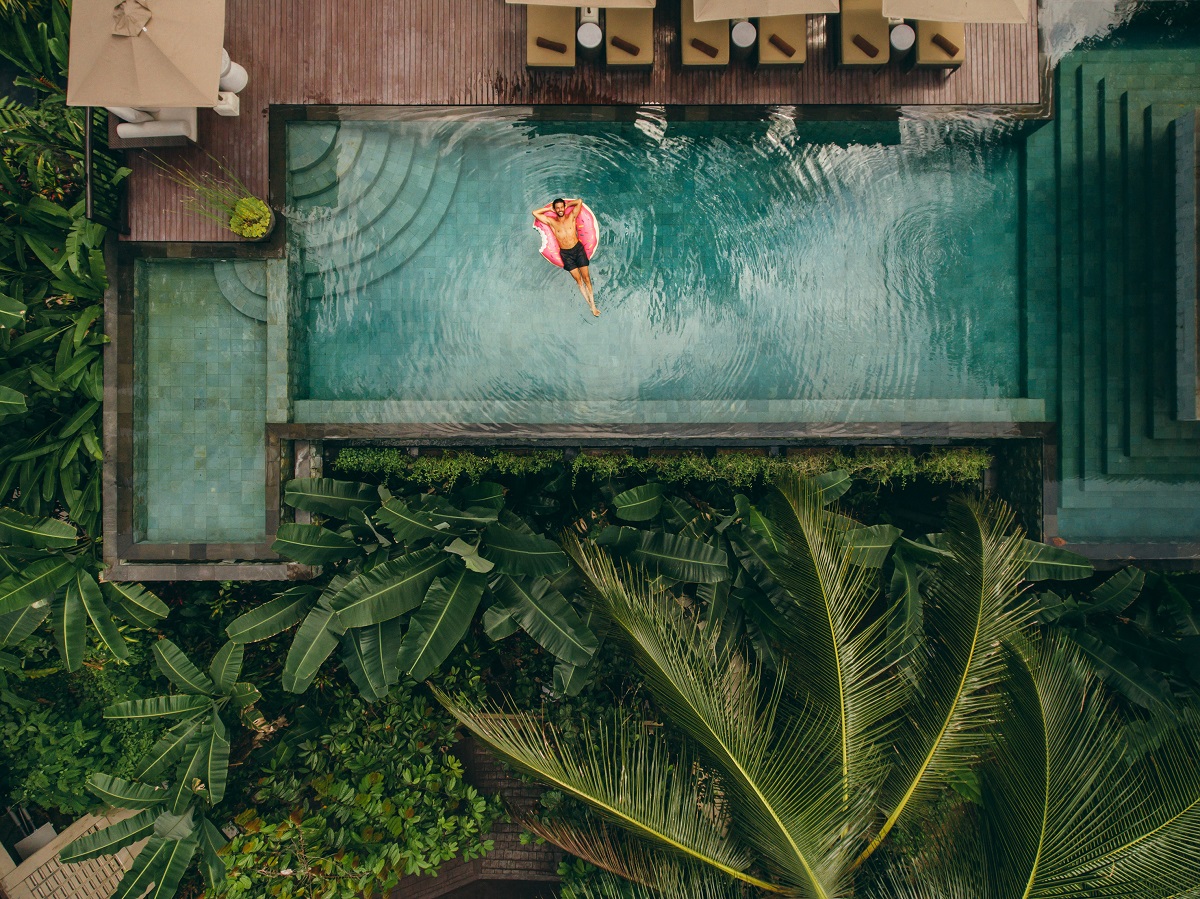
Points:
x=1056, y=789
x=632, y=869
x=631, y=779
x=841, y=658
x=785, y=789
x=973, y=605
x=1158, y=844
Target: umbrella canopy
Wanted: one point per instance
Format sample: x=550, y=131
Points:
x=709, y=10
x=627, y=4
x=151, y=54
x=1001, y=11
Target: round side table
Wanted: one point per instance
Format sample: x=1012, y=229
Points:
x=743, y=35
x=902, y=38
x=590, y=37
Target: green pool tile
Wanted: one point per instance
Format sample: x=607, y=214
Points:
x=200, y=438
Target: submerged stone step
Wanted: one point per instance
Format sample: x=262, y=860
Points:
x=234, y=289
x=309, y=144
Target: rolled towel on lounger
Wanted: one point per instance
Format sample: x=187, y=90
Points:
x=546, y=44
x=704, y=47
x=946, y=44
x=621, y=44
x=866, y=46
x=782, y=46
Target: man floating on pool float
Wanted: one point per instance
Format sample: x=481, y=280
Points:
x=572, y=225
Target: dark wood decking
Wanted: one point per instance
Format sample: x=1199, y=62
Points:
x=471, y=52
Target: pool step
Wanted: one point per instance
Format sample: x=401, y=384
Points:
x=1100, y=295
x=370, y=234
x=244, y=284
x=309, y=145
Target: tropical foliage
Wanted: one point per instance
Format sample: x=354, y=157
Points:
x=1139, y=631
x=184, y=774
x=52, y=282
x=791, y=779
x=356, y=796
x=410, y=574
x=50, y=572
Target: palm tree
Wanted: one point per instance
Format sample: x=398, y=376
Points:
x=789, y=781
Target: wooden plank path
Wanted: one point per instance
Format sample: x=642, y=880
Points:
x=472, y=53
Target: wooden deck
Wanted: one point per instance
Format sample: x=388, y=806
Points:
x=471, y=52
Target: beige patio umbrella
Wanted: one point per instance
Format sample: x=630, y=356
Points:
x=627, y=4
x=992, y=11
x=710, y=10
x=150, y=54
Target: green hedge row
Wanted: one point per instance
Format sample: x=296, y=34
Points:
x=875, y=465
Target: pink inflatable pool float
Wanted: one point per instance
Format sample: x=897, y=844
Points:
x=586, y=226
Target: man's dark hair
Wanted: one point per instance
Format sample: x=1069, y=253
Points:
x=558, y=200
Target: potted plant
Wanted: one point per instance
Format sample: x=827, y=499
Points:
x=222, y=197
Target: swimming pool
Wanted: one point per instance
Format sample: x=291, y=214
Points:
x=771, y=270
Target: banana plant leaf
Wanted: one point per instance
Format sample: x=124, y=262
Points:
x=273, y=617
x=869, y=546
x=498, y=623
x=136, y=604
x=120, y=793
x=168, y=750
x=485, y=494
x=315, y=641
x=212, y=841
x=12, y=402
x=175, y=706
x=520, y=554
x=179, y=670
x=311, y=544
x=469, y=519
x=159, y=868
x=69, y=617
x=410, y=525
x=640, y=503
x=99, y=613
x=370, y=655
x=388, y=590
x=330, y=497
x=107, y=841
x=20, y=529
x=438, y=626
x=16, y=626
x=226, y=666
x=1117, y=593
x=547, y=616
x=1053, y=563
x=38, y=581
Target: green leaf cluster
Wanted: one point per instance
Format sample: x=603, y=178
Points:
x=1141, y=633
x=182, y=776
x=408, y=576
x=363, y=794
x=51, y=574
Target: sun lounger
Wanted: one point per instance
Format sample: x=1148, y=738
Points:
x=550, y=37
x=941, y=45
x=629, y=37
x=863, y=34
x=782, y=40
x=702, y=44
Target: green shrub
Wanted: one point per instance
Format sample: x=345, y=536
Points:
x=371, y=794
x=874, y=465
x=443, y=471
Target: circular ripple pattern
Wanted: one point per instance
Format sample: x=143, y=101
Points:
x=742, y=261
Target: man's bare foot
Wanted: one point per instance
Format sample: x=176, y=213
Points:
x=595, y=312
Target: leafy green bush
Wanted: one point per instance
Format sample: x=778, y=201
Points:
x=875, y=465
x=444, y=470
x=52, y=282
x=48, y=752
x=373, y=793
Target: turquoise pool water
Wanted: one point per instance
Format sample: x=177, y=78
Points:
x=762, y=271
